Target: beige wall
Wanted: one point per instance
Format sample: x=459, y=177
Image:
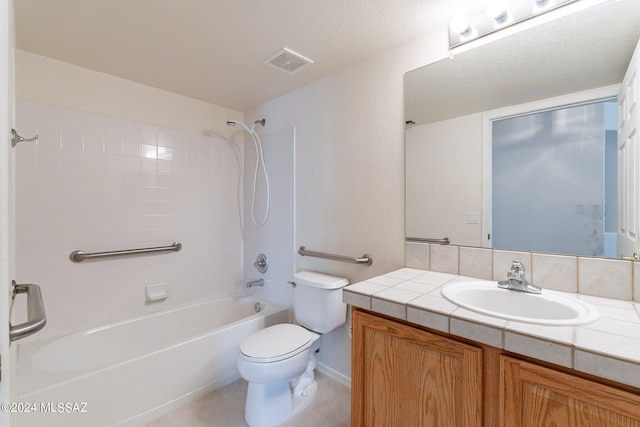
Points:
x=349, y=182
x=444, y=180
x=350, y=167
x=48, y=81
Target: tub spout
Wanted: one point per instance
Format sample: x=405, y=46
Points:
x=254, y=283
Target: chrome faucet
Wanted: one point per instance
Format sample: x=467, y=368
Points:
x=517, y=282
x=254, y=283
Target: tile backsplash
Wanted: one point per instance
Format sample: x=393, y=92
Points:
x=610, y=278
x=96, y=183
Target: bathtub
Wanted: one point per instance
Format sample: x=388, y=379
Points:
x=128, y=373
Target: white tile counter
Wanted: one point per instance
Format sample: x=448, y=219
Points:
x=608, y=348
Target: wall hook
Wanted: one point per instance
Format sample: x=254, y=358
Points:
x=15, y=138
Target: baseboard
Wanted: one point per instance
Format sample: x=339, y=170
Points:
x=333, y=374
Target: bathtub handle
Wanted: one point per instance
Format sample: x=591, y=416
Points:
x=36, y=317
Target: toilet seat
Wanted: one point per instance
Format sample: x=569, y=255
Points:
x=277, y=342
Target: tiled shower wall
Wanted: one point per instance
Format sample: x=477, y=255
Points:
x=96, y=183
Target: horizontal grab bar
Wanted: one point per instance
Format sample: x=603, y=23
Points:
x=36, y=317
x=443, y=241
x=364, y=260
x=78, y=256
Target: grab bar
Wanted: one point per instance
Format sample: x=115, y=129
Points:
x=78, y=256
x=443, y=241
x=36, y=317
x=364, y=260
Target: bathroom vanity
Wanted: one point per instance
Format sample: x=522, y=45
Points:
x=419, y=360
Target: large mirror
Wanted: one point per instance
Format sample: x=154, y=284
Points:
x=452, y=105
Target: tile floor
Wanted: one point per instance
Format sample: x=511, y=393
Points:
x=225, y=407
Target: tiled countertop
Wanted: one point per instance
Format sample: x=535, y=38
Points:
x=608, y=348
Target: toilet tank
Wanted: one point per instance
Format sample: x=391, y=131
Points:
x=317, y=301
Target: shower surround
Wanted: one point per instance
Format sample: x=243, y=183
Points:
x=97, y=183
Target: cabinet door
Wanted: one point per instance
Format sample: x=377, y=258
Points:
x=535, y=396
x=404, y=376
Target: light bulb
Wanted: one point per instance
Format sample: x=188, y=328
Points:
x=460, y=24
x=541, y=5
x=497, y=9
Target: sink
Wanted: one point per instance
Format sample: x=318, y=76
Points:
x=548, y=308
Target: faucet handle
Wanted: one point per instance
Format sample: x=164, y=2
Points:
x=517, y=281
x=517, y=271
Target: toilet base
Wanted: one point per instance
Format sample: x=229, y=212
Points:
x=301, y=401
x=271, y=404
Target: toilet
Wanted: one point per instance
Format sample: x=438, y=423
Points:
x=278, y=361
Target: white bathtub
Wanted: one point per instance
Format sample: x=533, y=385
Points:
x=131, y=372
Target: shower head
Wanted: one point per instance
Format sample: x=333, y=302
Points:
x=232, y=122
x=259, y=160
x=257, y=122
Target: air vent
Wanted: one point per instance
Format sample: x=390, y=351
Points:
x=288, y=61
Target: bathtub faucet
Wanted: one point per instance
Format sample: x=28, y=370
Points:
x=253, y=283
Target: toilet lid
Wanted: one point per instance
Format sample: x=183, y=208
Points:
x=276, y=342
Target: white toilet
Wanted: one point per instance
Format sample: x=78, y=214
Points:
x=278, y=361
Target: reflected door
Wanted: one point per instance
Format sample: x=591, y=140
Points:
x=549, y=180
x=628, y=160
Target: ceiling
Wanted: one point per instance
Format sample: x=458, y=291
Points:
x=213, y=50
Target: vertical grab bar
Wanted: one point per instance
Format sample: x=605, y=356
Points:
x=36, y=317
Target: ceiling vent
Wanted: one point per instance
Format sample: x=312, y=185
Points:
x=288, y=61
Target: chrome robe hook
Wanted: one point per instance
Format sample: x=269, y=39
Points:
x=15, y=138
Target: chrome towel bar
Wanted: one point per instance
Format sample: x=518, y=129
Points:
x=443, y=241
x=364, y=259
x=78, y=256
x=36, y=317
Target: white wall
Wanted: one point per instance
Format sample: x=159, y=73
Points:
x=349, y=151
x=444, y=180
x=48, y=81
x=350, y=167
x=120, y=165
x=275, y=238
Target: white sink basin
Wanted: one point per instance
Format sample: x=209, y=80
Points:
x=548, y=308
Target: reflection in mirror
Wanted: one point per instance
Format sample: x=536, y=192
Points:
x=554, y=180
x=447, y=162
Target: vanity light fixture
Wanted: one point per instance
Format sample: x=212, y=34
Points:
x=498, y=10
x=542, y=5
x=461, y=25
x=497, y=15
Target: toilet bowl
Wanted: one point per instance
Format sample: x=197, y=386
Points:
x=278, y=362
x=275, y=354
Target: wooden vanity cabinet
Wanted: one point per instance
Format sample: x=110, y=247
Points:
x=535, y=396
x=404, y=375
